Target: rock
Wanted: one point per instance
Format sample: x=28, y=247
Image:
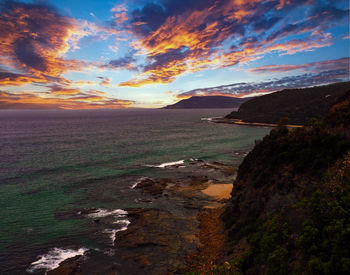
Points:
x=70, y=266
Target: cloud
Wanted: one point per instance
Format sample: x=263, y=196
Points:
x=126, y=62
x=34, y=39
x=179, y=36
x=318, y=73
x=105, y=81
x=336, y=64
x=119, y=14
x=63, y=90
x=83, y=101
x=16, y=79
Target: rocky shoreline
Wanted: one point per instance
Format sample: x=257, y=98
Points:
x=240, y=122
x=186, y=234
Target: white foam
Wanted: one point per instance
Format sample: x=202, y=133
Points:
x=101, y=213
x=139, y=181
x=112, y=232
x=210, y=118
x=120, y=219
x=167, y=164
x=122, y=222
x=54, y=257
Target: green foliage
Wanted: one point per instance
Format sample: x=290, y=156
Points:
x=276, y=262
x=325, y=233
x=292, y=199
x=266, y=248
x=306, y=150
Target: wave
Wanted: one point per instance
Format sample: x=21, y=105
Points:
x=101, y=213
x=54, y=257
x=210, y=118
x=113, y=232
x=120, y=221
x=167, y=164
x=139, y=181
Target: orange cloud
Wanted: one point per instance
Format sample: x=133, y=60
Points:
x=35, y=101
x=13, y=79
x=82, y=83
x=63, y=90
x=199, y=37
x=160, y=74
x=34, y=38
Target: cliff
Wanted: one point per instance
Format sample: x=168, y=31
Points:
x=289, y=212
x=299, y=105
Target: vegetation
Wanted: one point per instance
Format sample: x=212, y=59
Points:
x=299, y=105
x=291, y=201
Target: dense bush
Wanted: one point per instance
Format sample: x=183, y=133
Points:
x=291, y=200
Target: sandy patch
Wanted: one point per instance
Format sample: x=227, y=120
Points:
x=220, y=191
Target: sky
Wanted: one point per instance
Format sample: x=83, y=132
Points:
x=84, y=54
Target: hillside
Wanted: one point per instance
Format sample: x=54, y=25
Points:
x=196, y=102
x=290, y=206
x=299, y=105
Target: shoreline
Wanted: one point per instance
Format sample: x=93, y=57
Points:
x=240, y=122
x=184, y=235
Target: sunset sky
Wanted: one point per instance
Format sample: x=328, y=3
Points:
x=84, y=54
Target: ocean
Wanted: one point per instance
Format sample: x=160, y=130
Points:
x=56, y=164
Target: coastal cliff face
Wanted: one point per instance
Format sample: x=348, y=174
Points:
x=299, y=105
x=289, y=212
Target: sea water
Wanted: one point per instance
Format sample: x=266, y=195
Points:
x=61, y=169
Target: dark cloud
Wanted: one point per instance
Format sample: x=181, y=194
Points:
x=26, y=53
x=126, y=62
x=148, y=18
x=265, y=23
x=152, y=15
x=161, y=60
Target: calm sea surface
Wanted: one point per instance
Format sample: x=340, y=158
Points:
x=54, y=163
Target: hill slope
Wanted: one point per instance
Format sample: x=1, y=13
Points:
x=290, y=206
x=299, y=105
x=196, y=102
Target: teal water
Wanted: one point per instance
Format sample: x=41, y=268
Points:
x=57, y=162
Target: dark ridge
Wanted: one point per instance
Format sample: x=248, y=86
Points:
x=207, y=102
x=298, y=105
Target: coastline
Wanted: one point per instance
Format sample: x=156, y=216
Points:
x=184, y=235
x=240, y=122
